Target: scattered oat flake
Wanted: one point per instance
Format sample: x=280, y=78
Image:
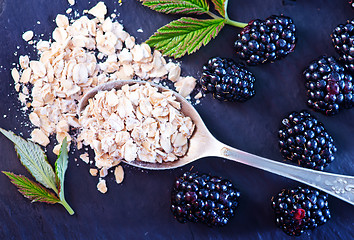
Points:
x=99, y=11
x=62, y=21
x=185, y=85
x=85, y=158
x=119, y=174
x=140, y=30
x=15, y=75
x=71, y=2
x=24, y=61
x=35, y=119
x=103, y=172
x=101, y=186
x=198, y=95
x=39, y=137
x=17, y=87
x=93, y=172
x=27, y=36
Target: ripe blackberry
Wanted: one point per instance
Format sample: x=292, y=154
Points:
x=203, y=198
x=263, y=41
x=300, y=209
x=227, y=80
x=329, y=87
x=304, y=140
x=343, y=42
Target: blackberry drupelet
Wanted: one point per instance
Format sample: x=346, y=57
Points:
x=329, y=87
x=304, y=140
x=343, y=41
x=203, y=198
x=227, y=80
x=300, y=209
x=263, y=41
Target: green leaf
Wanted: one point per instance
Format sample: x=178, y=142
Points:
x=185, y=35
x=60, y=168
x=34, y=159
x=178, y=6
x=32, y=190
x=220, y=6
x=61, y=165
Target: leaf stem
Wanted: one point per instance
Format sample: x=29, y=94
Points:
x=66, y=205
x=236, y=24
x=228, y=20
x=213, y=15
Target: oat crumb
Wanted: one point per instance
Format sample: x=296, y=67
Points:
x=119, y=174
x=15, y=75
x=93, y=172
x=27, y=36
x=39, y=137
x=198, y=95
x=185, y=85
x=85, y=158
x=101, y=186
x=99, y=10
x=103, y=172
x=71, y=2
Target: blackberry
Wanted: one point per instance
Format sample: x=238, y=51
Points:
x=300, y=209
x=227, y=80
x=329, y=87
x=203, y=198
x=263, y=41
x=343, y=41
x=304, y=140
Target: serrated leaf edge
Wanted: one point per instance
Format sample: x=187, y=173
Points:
x=160, y=43
x=220, y=6
x=177, y=7
x=20, y=181
x=61, y=164
x=45, y=176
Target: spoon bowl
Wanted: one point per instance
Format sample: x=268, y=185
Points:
x=201, y=136
x=204, y=144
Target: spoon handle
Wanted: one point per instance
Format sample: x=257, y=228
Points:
x=340, y=186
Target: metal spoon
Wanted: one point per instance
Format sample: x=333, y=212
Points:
x=204, y=144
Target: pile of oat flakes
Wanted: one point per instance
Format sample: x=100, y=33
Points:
x=84, y=53
x=136, y=123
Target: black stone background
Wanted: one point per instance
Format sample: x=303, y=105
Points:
x=139, y=208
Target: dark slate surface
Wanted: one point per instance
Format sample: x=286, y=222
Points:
x=139, y=208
